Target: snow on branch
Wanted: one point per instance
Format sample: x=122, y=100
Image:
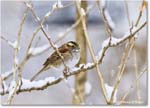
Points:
x=10, y=43
x=38, y=50
x=27, y=85
x=5, y=75
x=114, y=41
x=43, y=84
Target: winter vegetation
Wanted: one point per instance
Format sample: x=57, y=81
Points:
x=112, y=69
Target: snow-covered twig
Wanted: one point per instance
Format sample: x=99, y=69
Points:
x=11, y=44
x=115, y=41
x=7, y=74
x=88, y=66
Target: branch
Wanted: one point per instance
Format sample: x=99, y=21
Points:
x=84, y=67
x=81, y=12
x=80, y=79
x=7, y=74
x=126, y=54
x=10, y=43
x=16, y=50
x=121, y=67
x=132, y=86
x=109, y=24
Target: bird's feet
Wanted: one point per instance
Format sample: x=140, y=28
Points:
x=66, y=71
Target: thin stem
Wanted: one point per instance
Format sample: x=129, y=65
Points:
x=92, y=53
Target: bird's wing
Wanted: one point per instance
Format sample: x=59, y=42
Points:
x=54, y=57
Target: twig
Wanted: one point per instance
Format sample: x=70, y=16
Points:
x=132, y=85
x=143, y=5
x=11, y=44
x=134, y=51
x=7, y=74
x=92, y=52
x=121, y=67
x=18, y=82
x=80, y=79
x=136, y=73
x=109, y=24
x=127, y=11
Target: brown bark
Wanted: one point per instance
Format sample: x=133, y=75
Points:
x=80, y=79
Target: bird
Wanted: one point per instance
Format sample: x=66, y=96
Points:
x=70, y=52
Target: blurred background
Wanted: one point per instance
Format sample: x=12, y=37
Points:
x=57, y=23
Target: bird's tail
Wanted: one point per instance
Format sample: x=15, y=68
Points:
x=37, y=74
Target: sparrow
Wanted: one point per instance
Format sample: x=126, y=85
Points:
x=70, y=53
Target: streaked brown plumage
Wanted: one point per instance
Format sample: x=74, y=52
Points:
x=70, y=52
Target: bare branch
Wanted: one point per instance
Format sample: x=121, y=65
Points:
x=132, y=86
x=18, y=82
x=80, y=79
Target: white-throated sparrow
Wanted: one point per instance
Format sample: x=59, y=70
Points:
x=70, y=52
